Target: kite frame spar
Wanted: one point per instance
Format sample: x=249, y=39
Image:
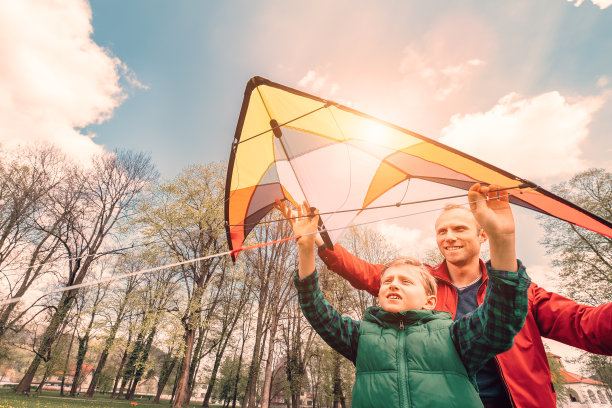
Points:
x=604, y=227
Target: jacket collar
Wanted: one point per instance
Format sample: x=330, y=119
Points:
x=409, y=317
x=440, y=272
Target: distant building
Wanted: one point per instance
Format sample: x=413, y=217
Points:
x=584, y=391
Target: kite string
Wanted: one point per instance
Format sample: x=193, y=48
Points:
x=232, y=252
x=20, y=266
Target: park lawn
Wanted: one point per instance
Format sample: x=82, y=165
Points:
x=8, y=399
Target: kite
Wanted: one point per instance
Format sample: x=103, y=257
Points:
x=290, y=145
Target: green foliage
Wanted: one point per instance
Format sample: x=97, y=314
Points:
x=226, y=380
x=584, y=258
x=557, y=377
x=599, y=368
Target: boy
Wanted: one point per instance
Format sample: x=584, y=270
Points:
x=406, y=353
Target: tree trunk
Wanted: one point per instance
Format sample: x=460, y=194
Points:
x=83, y=343
x=213, y=373
x=195, y=363
x=48, y=339
x=181, y=398
x=235, y=396
x=121, y=365
x=66, y=362
x=140, y=364
x=42, y=382
x=265, y=399
x=249, y=394
x=338, y=394
x=176, y=377
x=167, y=369
x=103, y=357
x=130, y=366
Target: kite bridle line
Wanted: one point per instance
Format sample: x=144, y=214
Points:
x=232, y=252
x=398, y=204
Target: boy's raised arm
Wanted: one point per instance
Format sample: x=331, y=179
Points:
x=340, y=332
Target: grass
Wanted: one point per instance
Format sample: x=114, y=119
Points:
x=8, y=399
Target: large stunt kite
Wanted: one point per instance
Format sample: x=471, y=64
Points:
x=293, y=146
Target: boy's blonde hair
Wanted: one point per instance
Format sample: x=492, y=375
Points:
x=428, y=281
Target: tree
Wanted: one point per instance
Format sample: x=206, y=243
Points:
x=235, y=291
x=232, y=381
x=84, y=339
x=584, y=258
x=556, y=374
x=117, y=301
x=28, y=179
x=185, y=214
x=271, y=268
x=298, y=338
x=153, y=298
x=105, y=192
x=600, y=368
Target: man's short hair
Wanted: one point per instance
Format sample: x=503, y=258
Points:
x=453, y=206
x=427, y=280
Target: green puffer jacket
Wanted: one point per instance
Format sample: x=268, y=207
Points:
x=408, y=359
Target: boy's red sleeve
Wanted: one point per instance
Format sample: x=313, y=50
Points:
x=586, y=327
x=359, y=273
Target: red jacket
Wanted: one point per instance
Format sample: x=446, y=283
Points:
x=524, y=368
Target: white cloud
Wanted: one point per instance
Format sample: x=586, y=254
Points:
x=603, y=81
x=54, y=79
x=602, y=4
x=537, y=138
x=442, y=76
x=319, y=84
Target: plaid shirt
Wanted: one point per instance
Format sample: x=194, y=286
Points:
x=478, y=336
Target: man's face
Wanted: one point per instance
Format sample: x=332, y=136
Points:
x=458, y=236
x=401, y=289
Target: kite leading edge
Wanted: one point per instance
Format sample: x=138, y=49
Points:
x=293, y=146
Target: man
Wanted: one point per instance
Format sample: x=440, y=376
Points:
x=520, y=376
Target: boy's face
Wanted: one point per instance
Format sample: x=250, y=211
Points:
x=401, y=289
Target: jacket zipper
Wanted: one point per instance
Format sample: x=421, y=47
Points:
x=402, y=366
x=501, y=375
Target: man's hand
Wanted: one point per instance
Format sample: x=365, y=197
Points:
x=491, y=209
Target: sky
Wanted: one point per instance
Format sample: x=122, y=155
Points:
x=523, y=85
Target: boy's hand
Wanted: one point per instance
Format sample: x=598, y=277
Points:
x=305, y=226
x=304, y=222
x=492, y=211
